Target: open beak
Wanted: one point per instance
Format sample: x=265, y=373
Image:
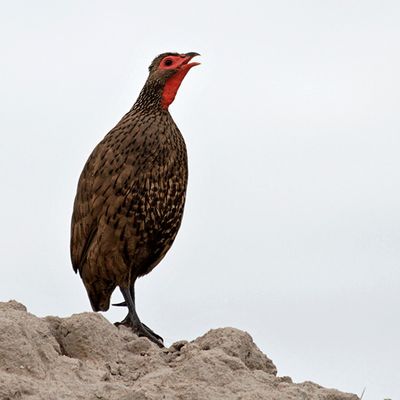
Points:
x=187, y=57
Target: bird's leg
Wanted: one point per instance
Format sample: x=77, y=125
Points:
x=132, y=290
x=122, y=304
x=126, y=321
x=132, y=320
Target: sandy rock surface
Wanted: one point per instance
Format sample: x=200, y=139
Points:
x=86, y=357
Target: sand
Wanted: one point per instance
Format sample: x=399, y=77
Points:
x=86, y=357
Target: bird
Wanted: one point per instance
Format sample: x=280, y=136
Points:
x=131, y=194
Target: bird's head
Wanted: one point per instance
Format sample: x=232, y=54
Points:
x=166, y=74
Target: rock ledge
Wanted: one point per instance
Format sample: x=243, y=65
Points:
x=86, y=357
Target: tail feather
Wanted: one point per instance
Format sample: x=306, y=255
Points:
x=99, y=295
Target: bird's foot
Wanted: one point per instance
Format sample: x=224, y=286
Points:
x=123, y=304
x=158, y=337
x=142, y=331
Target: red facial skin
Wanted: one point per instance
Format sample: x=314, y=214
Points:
x=182, y=65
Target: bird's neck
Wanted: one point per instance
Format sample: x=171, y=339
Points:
x=171, y=87
x=150, y=97
x=156, y=95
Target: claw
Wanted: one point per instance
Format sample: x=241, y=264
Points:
x=122, y=304
x=143, y=331
x=132, y=320
x=158, y=337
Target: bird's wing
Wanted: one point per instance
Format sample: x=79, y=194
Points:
x=84, y=217
x=113, y=175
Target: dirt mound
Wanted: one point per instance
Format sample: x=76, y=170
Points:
x=86, y=357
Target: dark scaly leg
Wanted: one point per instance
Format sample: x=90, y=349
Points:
x=122, y=304
x=132, y=320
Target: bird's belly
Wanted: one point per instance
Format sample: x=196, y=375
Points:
x=140, y=207
x=156, y=230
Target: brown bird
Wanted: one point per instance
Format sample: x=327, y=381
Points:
x=131, y=194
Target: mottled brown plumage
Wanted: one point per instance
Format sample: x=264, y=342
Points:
x=131, y=193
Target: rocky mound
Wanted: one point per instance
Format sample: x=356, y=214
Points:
x=86, y=357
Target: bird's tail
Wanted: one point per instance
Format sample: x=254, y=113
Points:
x=99, y=295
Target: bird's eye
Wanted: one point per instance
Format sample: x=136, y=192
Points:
x=168, y=62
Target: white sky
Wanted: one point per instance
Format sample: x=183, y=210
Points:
x=292, y=223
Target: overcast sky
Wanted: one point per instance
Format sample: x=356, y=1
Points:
x=292, y=223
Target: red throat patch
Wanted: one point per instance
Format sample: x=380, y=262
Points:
x=172, y=86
